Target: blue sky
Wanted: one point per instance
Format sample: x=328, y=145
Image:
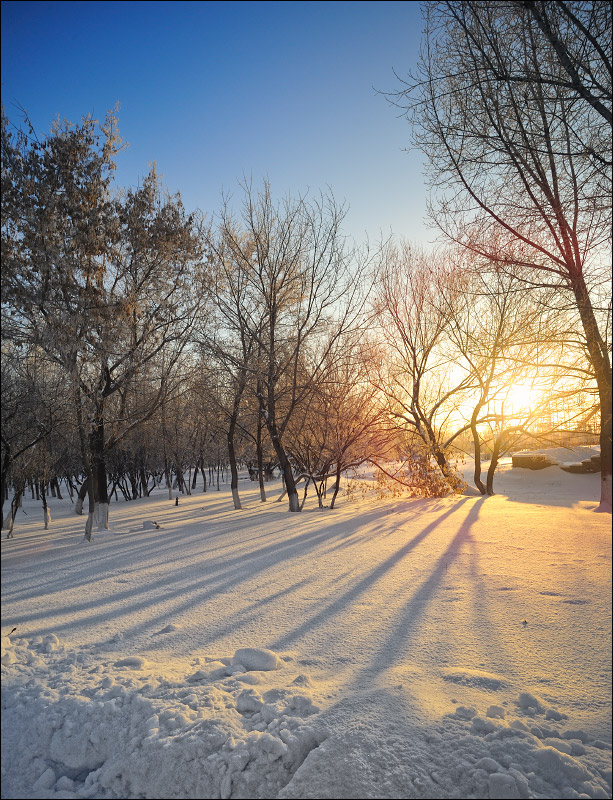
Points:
x=213, y=91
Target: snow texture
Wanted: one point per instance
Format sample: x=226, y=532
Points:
x=376, y=651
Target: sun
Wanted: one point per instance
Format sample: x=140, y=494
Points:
x=521, y=397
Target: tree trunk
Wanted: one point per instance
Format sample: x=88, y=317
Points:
x=477, y=448
x=144, y=481
x=321, y=492
x=55, y=482
x=167, y=476
x=429, y=439
x=81, y=496
x=599, y=358
x=179, y=474
x=15, y=503
x=288, y=476
x=304, y=496
x=96, y=443
x=133, y=485
x=260, y=458
x=496, y=447
x=232, y=458
x=46, y=512
x=337, y=484
x=6, y=461
x=91, y=494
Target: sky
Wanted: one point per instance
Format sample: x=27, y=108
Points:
x=217, y=91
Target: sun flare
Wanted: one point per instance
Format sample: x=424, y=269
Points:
x=521, y=397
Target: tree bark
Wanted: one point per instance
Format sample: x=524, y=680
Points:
x=81, y=494
x=599, y=357
x=497, y=445
x=260, y=458
x=46, y=512
x=232, y=458
x=337, y=484
x=96, y=443
x=477, y=449
x=285, y=467
x=15, y=503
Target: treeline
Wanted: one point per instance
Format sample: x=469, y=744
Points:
x=141, y=341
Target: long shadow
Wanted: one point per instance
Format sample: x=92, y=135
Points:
x=295, y=546
x=157, y=555
x=349, y=596
x=218, y=575
x=392, y=649
x=245, y=616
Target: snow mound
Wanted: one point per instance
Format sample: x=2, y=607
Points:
x=107, y=732
x=255, y=658
x=134, y=662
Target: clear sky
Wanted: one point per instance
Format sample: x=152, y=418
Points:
x=213, y=91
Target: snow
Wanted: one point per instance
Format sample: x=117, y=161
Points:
x=455, y=647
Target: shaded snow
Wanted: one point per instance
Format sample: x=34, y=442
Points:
x=403, y=648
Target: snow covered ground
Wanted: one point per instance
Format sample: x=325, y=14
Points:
x=387, y=649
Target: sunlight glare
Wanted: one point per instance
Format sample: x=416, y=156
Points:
x=522, y=397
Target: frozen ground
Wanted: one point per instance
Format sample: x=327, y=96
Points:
x=445, y=648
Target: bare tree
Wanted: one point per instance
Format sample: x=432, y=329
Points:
x=230, y=336
x=418, y=379
x=505, y=339
x=302, y=290
x=512, y=105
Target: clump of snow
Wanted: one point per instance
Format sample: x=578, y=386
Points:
x=553, y=713
x=529, y=703
x=170, y=628
x=134, y=662
x=256, y=658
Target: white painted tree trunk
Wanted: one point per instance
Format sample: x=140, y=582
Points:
x=102, y=516
x=606, y=500
x=78, y=509
x=236, y=498
x=89, y=526
x=47, y=517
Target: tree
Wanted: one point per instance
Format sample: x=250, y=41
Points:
x=229, y=339
x=302, y=291
x=505, y=340
x=512, y=106
x=33, y=408
x=101, y=281
x=417, y=378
